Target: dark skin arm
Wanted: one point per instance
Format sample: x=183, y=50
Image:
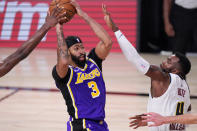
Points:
x=62, y=53
x=167, y=4
x=22, y=52
x=104, y=46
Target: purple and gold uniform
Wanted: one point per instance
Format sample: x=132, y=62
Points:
x=84, y=92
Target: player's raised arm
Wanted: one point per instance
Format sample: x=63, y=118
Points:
x=62, y=52
x=22, y=52
x=104, y=46
x=131, y=53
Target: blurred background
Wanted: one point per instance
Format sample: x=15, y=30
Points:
x=29, y=99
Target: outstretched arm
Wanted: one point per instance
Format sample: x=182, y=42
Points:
x=22, y=52
x=131, y=53
x=104, y=46
x=160, y=120
x=62, y=52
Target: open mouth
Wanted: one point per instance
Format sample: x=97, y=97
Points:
x=82, y=57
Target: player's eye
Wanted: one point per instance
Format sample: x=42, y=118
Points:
x=76, y=48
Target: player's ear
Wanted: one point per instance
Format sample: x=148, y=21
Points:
x=69, y=51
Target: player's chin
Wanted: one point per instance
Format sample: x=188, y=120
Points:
x=82, y=60
x=163, y=68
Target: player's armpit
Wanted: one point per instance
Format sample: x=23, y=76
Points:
x=155, y=73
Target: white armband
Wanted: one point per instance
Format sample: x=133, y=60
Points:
x=131, y=53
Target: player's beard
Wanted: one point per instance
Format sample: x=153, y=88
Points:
x=166, y=70
x=77, y=61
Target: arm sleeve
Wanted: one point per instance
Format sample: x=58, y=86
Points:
x=131, y=53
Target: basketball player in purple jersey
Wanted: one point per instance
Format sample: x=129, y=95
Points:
x=22, y=52
x=80, y=78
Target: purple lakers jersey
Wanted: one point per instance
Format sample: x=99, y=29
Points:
x=84, y=89
x=87, y=90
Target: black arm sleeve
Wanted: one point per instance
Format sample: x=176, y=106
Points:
x=60, y=82
x=94, y=56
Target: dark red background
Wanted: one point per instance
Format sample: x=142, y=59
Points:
x=124, y=13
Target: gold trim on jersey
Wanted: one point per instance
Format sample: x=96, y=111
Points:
x=96, y=65
x=86, y=65
x=84, y=125
x=71, y=127
x=83, y=68
x=71, y=94
x=92, y=61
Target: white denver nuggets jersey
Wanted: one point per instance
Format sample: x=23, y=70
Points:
x=175, y=101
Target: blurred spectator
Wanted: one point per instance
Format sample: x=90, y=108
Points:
x=180, y=21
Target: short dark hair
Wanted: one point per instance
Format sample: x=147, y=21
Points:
x=71, y=40
x=184, y=63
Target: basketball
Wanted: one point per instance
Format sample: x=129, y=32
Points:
x=66, y=7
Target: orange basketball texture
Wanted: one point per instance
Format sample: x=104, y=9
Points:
x=66, y=7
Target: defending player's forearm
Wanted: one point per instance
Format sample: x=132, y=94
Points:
x=29, y=45
x=23, y=51
x=131, y=54
x=183, y=119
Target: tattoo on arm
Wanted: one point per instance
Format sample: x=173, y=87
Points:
x=62, y=47
x=60, y=38
x=63, y=53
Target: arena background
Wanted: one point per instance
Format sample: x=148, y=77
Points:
x=29, y=99
x=20, y=19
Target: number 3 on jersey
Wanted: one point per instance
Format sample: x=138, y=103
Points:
x=180, y=108
x=95, y=91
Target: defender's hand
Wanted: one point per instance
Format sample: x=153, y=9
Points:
x=136, y=121
x=157, y=119
x=108, y=19
x=52, y=19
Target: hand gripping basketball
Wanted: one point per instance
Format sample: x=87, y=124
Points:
x=67, y=9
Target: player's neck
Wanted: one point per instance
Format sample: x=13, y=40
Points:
x=73, y=64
